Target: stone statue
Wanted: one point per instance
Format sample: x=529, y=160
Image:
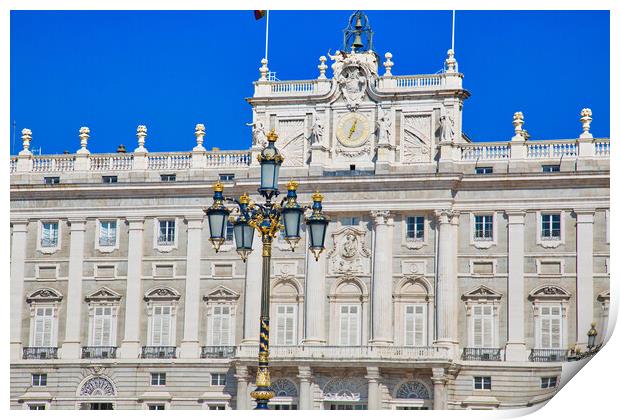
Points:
x=316, y=132
x=384, y=127
x=446, y=129
x=259, y=136
x=349, y=249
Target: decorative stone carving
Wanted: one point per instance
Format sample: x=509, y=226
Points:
x=316, y=131
x=345, y=389
x=141, y=134
x=284, y=388
x=284, y=269
x=388, y=63
x=103, y=294
x=259, y=135
x=482, y=292
x=413, y=267
x=97, y=387
x=199, y=132
x=349, y=254
x=549, y=292
x=322, y=67
x=384, y=127
x=290, y=141
x=416, y=139
x=26, y=139
x=84, y=136
x=517, y=122
x=586, y=119
x=162, y=293
x=221, y=293
x=446, y=129
x=352, y=73
x=44, y=295
x=413, y=390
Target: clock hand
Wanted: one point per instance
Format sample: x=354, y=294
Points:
x=352, y=130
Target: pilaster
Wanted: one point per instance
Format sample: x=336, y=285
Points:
x=190, y=347
x=374, y=397
x=439, y=389
x=241, y=374
x=382, y=283
x=315, y=300
x=71, y=348
x=130, y=347
x=251, y=312
x=305, y=390
x=585, y=289
x=515, y=346
x=18, y=258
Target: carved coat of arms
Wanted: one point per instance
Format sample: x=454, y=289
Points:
x=349, y=254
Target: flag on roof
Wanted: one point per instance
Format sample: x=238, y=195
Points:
x=259, y=14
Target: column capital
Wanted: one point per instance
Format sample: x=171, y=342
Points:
x=77, y=223
x=515, y=216
x=19, y=225
x=382, y=217
x=439, y=376
x=194, y=221
x=373, y=373
x=445, y=216
x=584, y=215
x=135, y=222
x=241, y=372
x=305, y=373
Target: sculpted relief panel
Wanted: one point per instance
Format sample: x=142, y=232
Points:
x=291, y=141
x=416, y=139
x=349, y=254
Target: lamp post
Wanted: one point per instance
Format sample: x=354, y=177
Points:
x=268, y=219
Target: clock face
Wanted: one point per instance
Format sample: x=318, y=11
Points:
x=353, y=130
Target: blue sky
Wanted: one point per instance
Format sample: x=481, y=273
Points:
x=112, y=71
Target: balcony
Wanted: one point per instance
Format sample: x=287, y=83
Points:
x=482, y=354
x=548, y=355
x=217, y=352
x=159, y=352
x=98, y=352
x=40, y=353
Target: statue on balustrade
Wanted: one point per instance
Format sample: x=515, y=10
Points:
x=259, y=136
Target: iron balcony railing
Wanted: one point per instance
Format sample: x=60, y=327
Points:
x=217, y=352
x=482, y=353
x=40, y=353
x=98, y=352
x=548, y=355
x=159, y=352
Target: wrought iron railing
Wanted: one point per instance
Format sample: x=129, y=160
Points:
x=482, y=353
x=98, y=352
x=548, y=355
x=159, y=352
x=40, y=353
x=217, y=352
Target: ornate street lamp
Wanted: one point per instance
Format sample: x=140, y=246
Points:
x=268, y=219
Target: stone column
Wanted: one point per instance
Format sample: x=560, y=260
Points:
x=305, y=389
x=515, y=346
x=440, y=396
x=18, y=257
x=382, y=305
x=374, y=394
x=447, y=287
x=251, y=311
x=242, y=387
x=71, y=347
x=130, y=347
x=190, y=345
x=315, y=300
x=585, y=292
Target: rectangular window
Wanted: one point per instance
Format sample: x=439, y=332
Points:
x=484, y=170
x=157, y=406
x=350, y=325
x=166, y=232
x=482, y=324
x=549, y=382
x=49, y=234
x=227, y=177
x=348, y=406
x=221, y=329
x=102, y=327
x=51, y=180
x=161, y=326
x=415, y=228
x=39, y=379
x=36, y=406
x=483, y=228
x=158, y=379
x=109, y=179
x=415, y=329
x=551, y=168
x=283, y=406
x=216, y=407
x=43, y=327
x=107, y=233
x=285, y=325
x=550, y=326
x=229, y=231
x=550, y=226
x=168, y=177
x=349, y=221
x=482, y=382
x=218, y=379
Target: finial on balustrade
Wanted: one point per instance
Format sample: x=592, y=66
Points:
x=586, y=119
x=322, y=67
x=264, y=70
x=141, y=134
x=517, y=122
x=388, y=63
x=200, y=135
x=84, y=136
x=451, y=64
x=26, y=139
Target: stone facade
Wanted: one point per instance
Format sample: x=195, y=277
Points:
x=456, y=275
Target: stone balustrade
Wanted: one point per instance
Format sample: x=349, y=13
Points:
x=111, y=162
x=551, y=149
x=348, y=353
x=601, y=147
x=170, y=161
x=52, y=163
x=485, y=151
x=420, y=81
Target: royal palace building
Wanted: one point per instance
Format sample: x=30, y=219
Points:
x=457, y=274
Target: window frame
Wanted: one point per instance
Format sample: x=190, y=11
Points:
x=171, y=324
x=551, y=168
x=168, y=177
x=228, y=177
x=482, y=243
x=218, y=381
x=42, y=377
x=483, y=170
x=359, y=328
x=545, y=382
x=480, y=383
x=55, y=180
x=48, y=249
x=159, y=376
x=107, y=248
x=414, y=305
x=53, y=325
x=168, y=246
x=550, y=242
x=277, y=319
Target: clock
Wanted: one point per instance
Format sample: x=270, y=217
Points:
x=353, y=129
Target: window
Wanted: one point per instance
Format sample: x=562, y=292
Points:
x=166, y=232
x=551, y=168
x=414, y=325
x=221, y=326
x=218, y=379
x=349, y=221
x=51, y=180
x=158, y=379
x=168, y=177
x=157, y=406
x=483, y=228
x=161, y=326
x=36, y=406
x=216, y=407
x=347, y=406
x=109, y=179
x=285, y=325
x=482, y=382
x=484, y=170
x=39, y=379
x=49, y=234
x=283, y=406
x=102, y=327
x=407, y=407
x=549, y=382
x=550, y=226
x=350, y=325
x=227, y=177
x=43, y=327
x=550, y=327
x=482, y=324
x=229, y=231
x=415, y=228
x=107, y=233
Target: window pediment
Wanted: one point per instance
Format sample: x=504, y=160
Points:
x=44, y=295
x=162, y=293
x=103, y=294
x=549, y=292
x=482, y=292
x=221, y=293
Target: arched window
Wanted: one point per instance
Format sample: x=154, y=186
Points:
x=287, y=310
x=97, y=386
x=44, y=304
x=413, y=306
x=345, y=393
x=161, y=305
x=413, y=390
x=550, y=319
x=348, y=309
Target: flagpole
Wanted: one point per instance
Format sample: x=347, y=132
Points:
x=267, y=37
x=453, y=20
